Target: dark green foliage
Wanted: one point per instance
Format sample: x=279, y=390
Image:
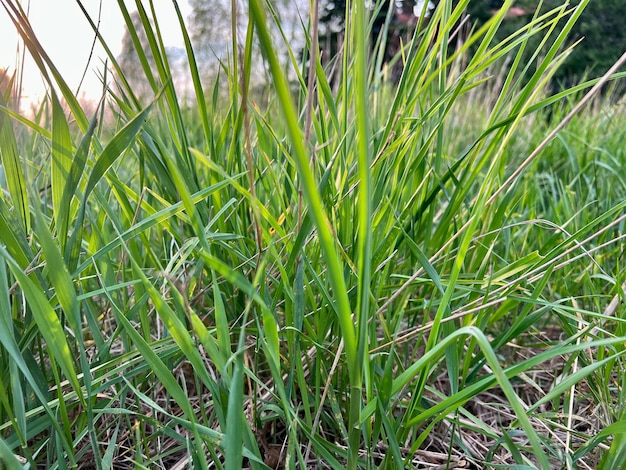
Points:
x=332, y=24
x=600, y=26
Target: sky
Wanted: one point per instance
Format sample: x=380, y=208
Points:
x=67, y=37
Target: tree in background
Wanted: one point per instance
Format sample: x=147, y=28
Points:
x=128, y=58
x=604, y=39
x=210, y=27
x=401, y=16
x=211, y=21
x=600, y=27
x=135, y=72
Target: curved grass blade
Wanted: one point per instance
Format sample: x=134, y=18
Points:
x=13, y=171
x=63, y=210
x=9, y=342
x=61, y=163
x=162, y=372
x=47, y=320
x=8, y=458
x=116, y=147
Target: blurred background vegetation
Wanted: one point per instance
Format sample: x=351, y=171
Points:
x=600, y=29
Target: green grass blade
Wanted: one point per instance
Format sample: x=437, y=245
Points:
x=13, y=171
x=115, y=148
x=8, y=459
x=64, y=212
x=47, y=320
x=61, y=163
x=316, y=207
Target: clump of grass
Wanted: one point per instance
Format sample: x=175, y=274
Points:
x=359, y=275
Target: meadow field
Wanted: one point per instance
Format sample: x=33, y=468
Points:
x=328, y=270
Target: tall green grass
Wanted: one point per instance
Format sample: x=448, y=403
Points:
x=340, y=272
